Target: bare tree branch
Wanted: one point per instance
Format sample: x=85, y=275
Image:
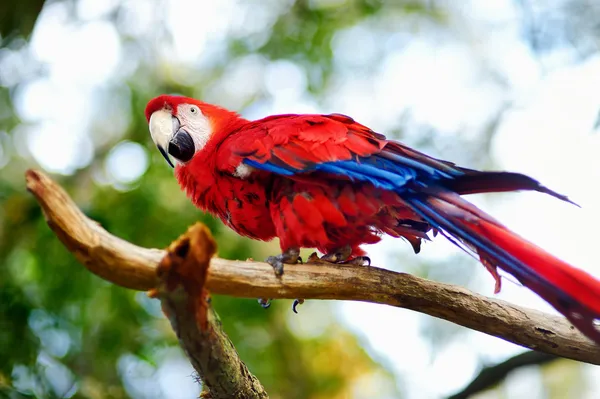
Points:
x=182, y=274
x=133, y=267
x=177, y=277
x=492, y=375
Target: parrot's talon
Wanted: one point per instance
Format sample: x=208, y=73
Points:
x=264, y=302
x=290, y=256
x=276, y=263
x=341, y=256
x=330, y=257
x=358, y=261
x=313, y=258
x=296, y=303
x=365, y=259
x=338, y=256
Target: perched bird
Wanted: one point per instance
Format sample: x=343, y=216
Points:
x=330, y=183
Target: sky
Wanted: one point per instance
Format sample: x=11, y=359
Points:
x=549, y=132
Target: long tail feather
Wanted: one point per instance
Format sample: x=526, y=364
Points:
x=571, y=291
x=474, y=182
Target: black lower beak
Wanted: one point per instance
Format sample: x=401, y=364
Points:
x=182, y=146
x=165, y=155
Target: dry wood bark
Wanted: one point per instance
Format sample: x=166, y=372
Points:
x=185, y=301
x=176, y=276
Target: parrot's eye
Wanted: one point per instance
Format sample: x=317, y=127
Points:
x=194, y=110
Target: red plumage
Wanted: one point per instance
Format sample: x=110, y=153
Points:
x=328, y=182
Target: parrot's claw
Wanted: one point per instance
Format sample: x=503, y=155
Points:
x=296, y=303
x=314, y=259
x=277, y=264
x=358, y=261
x=264, y=302
x=291, y=256
x=341, y=257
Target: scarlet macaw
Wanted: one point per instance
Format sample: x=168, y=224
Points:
x=328, y=182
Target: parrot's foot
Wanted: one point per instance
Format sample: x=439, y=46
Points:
x=291, y=256
x=296, y=303
x=264, y=302
x=341, y=257
x=357, y=260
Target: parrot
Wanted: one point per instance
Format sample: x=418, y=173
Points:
x=330, y=183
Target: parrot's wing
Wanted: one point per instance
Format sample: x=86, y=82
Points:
x=333, y=145
x=337, y=147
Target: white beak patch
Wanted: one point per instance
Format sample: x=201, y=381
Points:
x=161, y=128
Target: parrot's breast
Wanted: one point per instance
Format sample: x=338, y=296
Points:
x=243, y=205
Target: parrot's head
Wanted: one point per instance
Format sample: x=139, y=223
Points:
x=181, y=126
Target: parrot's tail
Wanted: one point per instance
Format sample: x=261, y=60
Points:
x=571, y=291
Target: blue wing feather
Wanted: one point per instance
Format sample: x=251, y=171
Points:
x=381, y=172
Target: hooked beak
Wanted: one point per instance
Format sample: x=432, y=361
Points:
x=165, y=155
x=170, y=138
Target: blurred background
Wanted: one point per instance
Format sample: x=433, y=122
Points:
x=495, y=84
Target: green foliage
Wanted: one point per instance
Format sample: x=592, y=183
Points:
x=17, y=18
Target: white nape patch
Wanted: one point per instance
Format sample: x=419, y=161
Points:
x=195, y=123
x=161, y=128
x=243, y=171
